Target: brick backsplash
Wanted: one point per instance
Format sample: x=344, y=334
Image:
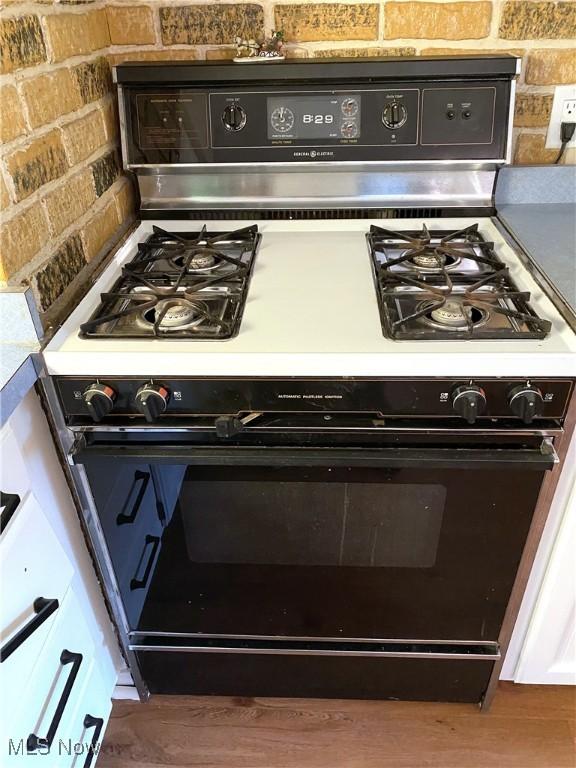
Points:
x=64, y=199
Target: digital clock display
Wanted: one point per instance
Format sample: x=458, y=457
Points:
x=314, y=117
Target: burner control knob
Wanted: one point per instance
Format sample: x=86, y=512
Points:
x=99, y=400
x=152, y=401
x=526, y=402
x=394, y=115
x=234, y=117
x=469, y=401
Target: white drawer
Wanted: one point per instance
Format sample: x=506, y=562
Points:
x=53, y=685
x=32, y=565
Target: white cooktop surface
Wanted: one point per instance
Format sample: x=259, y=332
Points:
x=312, y=311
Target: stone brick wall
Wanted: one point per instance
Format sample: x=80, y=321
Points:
x=64, y=201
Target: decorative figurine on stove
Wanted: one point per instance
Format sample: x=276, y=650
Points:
x=252, y=51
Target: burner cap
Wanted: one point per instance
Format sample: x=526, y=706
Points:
x=180, y=314
x=453, y=313
x=434, y=260
x=196, y=260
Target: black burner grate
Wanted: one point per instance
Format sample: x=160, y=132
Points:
x=448, y=285
x=179, y=285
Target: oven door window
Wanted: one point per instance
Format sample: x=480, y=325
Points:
x=332, y=552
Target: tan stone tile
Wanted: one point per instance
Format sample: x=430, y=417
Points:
x=69, y=202
x=55, y=276
x=73, y=34
x=21, y=43
x=93, y=78
x=351, y=53
x=50, y=96
x=215, y=24
x=548, y=67
x=439, y=51
x=130, y=24
x=220, y=54
x=327, y=21
x=12, y=122
x=531, y=150
x=4, y=194
x=43, y=160
x=21, y=237
x=447, y=21
x=527, y=20
x=126, y=201
x=110, y=115
x=84, y=136
x=100, y=229
x=533, y=110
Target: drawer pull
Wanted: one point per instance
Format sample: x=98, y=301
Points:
x=144, y=479
x=43, y=608
x=92, y=722
x=10, y=503
x=34, y=742
x=141, y=583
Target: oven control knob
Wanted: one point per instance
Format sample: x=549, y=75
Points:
x=469, y=401
x=394, y=115
x=99, y=399
x=234, y=117
x=526, y=402
x=152, y=401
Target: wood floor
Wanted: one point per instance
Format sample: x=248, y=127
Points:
x=527, y=727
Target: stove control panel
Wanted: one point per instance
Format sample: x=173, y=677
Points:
x=367, y=122
x=124, y=401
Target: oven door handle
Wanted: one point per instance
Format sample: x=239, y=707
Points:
x=537, y=459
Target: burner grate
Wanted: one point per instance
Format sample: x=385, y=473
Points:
x=179, y=286
x=448, y=285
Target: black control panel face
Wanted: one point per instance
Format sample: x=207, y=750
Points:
x=411, y=398
x=420, y=121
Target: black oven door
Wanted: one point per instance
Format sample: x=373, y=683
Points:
x=403, y=539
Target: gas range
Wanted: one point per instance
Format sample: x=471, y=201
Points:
x=318, y=340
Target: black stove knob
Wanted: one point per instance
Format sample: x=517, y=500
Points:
x=469, y=401
x=394, y=115
x=234, y=117
x=526, y=402
x=152, y=401
x=99, y=399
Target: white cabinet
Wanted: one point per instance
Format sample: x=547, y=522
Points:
x=60, y=658
x=543, y=646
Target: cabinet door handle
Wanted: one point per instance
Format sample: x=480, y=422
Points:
x=34, y=742
x=43, y=608
x=136, y=583
x=97, y=723
x=144, y=479
x=10, y=503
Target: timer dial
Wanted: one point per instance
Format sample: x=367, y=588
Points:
x=282, y=119
x=349, y=130
x=350, y=107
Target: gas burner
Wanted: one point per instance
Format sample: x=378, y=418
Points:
x=180, y=286
x=178, y=313
x=453, y=314
x=448, y=285
x=433, y=260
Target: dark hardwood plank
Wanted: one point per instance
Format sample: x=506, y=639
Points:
x=528, y=727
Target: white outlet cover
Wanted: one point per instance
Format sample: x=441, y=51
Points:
x=562, y=93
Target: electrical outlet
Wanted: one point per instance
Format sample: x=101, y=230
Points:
x=563, y=111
